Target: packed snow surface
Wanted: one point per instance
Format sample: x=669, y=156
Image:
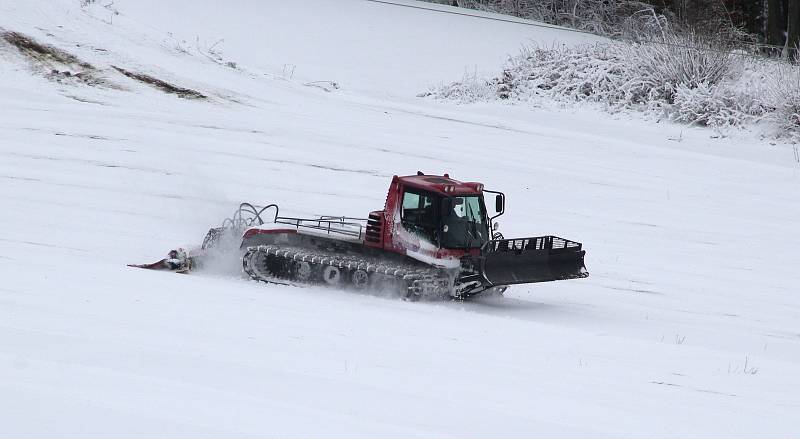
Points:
x=688, y=326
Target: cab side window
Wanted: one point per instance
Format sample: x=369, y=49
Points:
x=410, y=201
x=419, y=214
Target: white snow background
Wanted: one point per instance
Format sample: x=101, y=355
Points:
x=687, y=328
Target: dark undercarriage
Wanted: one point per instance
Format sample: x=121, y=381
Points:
x=318, y=260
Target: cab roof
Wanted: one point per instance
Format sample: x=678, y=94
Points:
x=441, y=184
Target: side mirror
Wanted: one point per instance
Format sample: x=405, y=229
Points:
x=498, y=203
x=446, y=207
x=495, y=226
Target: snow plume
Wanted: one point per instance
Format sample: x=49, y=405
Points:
x=219, y=253
x=222, y=262
x=681, y=78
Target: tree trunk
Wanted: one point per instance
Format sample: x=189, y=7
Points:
x=775, y=20
x=753, y=17
x=793, y=30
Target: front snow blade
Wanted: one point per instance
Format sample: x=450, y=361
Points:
x=529, y=260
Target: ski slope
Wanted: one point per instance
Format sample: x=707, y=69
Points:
x=688, y=326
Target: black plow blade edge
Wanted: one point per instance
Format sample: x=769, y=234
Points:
x=530, y=260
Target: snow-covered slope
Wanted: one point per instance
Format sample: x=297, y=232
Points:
x=688, y=326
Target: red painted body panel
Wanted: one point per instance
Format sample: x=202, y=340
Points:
x=255, y=231
x=438, y=184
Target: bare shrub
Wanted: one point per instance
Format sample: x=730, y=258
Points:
x=684, y=78
x=615, y=73
x=673, y=60
x=707, y=105
x=469, y=89
x=783, y=94
x=630, y=19
x=597, y=16
x=589, y=73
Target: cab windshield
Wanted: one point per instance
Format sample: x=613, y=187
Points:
x=454, y=222
x=464, y=226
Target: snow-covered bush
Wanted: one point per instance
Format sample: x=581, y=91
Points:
x=618, y=74
x=783, y=94
x=593, y=73
x=683, y=78
x=470, y=89
x=672, y=61
x=706, y=104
